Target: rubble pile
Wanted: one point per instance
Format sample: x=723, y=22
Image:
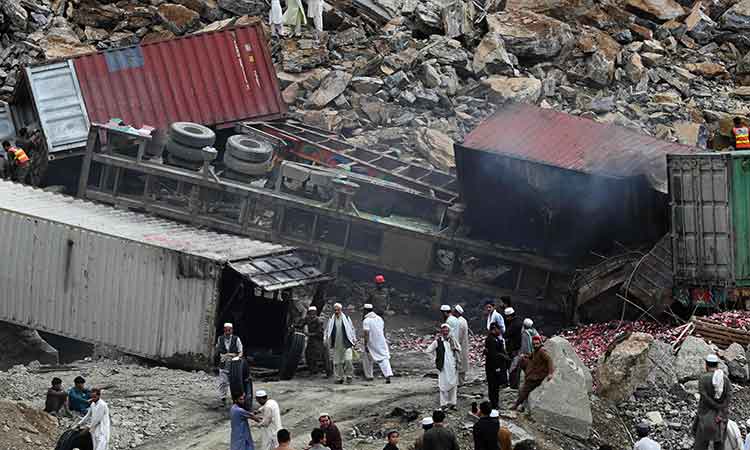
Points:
x=135, y=418
x=25, y=428
x=643, y=380
x=415, y=75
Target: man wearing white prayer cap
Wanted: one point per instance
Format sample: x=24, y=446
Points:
x=710, y=423
x=447, y=359
x=376, y=346
x=427, y=424
x=228, y=346
x=316, y=353
x=341, y=337
x=268, y=421
x=461, y=333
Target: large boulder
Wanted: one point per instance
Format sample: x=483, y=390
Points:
x=638, y=361
x=97, y=15
x=737, y=18
x=177, y=18
x=491, y=58
x=601, y=55
x=658, y=9
x=330, y=87
x=690, y=362
x=736, y=360
x=15, y=14
x=563, y=402
x=244, y=7
x=531, y=36
x=436, y=147
x=60, y=41
x=502, y=89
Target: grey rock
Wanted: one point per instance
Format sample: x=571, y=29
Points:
x=366, y=85
x=690, y=362
x=244, y=7
x=533, y=36
x=637, y=362
x=330, y=87
x=15, y=13
x=397, y=81
x=563, y=402
x=491, y=58
x=736, y=361
x=448, y=51
x=602, y=104
x=455, y=19
x=634, y=67
x=430, y=76
x=427, y=18
x=350, y=36
x=406, y=98
x=502, y=89
x=95, y=34
x=652, y=59
x=426, y=98
x=737, y=18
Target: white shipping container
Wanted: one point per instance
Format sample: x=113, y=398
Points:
x=143, y=285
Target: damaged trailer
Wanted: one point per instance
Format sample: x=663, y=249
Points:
x=144, y=285
x=216, y=78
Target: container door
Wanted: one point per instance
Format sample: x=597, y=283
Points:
x=701, y=218
x=7, y=130
x=741, y=217
x=58, y=101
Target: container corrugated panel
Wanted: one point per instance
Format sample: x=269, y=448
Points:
x=7, y=129
x=59, y=104
x=571, y=142
x=702, y=229
x=141, y=284
x=215, y=78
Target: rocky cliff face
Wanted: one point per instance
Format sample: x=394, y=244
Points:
x=413, y=75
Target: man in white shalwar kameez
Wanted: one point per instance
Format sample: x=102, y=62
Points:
x=276, y=19
x=447, y=360
x=315, y=12
x=341, y=337
x=462, y=336
x=268, y=421
x=376, y=347
x=96, y=421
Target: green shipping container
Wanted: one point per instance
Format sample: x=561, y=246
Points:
x=710, y=210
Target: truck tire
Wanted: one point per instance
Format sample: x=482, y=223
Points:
x=74, y=439
x=182, y=163
x=247, y=168
x=249, y=150
x=183, y=151
x=192, y=134
x=291, y=357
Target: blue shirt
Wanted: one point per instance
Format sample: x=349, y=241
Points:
x=241, y=438
x=78, y=400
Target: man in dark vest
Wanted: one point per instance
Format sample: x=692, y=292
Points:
x=228, y=346
x=710, y=423
x=495, y=360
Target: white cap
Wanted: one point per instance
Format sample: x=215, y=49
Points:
x=508, y=311
x=312, y=308
x=338, y=305
x=323, y=414
x=528, y=323
x=459, y=309
x=445, y=325
x=427, y=421
x=228, y=325
x=712, y=358
x=261, y=393
x=445, y=308
x=367, y=306
x=494, y=413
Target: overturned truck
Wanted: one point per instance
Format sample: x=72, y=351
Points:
x=147, y=286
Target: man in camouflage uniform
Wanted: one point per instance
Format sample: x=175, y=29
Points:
x=316, y=354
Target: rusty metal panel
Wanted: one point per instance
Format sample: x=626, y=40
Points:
x=575, y=143
x=144, y=285
x=215, y=78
